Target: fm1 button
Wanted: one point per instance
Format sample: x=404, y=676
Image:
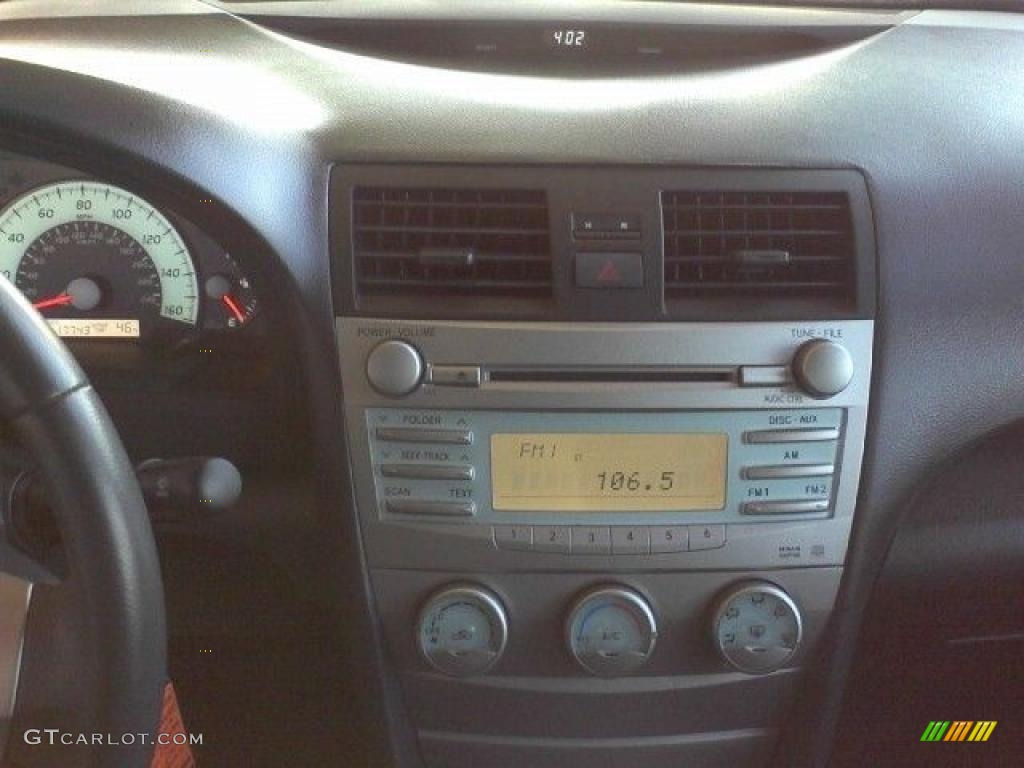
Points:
x=609, y=270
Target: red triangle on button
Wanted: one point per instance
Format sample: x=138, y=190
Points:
x=609, y=273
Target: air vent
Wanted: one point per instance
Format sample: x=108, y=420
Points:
x=723, y=244
x=445, y=242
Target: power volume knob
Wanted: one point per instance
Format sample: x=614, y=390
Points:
x=394, y=368
x=823, y=368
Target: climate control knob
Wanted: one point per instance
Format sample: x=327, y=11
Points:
x=823, y=368
x=394, y=368
x=462, y=630
x=611, y=631
x=757, y=627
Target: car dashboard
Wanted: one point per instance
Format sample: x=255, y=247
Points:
x=616, y=381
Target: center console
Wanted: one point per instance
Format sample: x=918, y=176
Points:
x=606, y=430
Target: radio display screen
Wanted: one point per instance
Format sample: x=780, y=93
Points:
x=590, y=472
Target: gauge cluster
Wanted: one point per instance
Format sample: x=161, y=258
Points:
x=100, y=262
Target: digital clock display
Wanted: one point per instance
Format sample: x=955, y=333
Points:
x=566, y=37
x=583, y=472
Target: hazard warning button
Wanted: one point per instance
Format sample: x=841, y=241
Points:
x=609, y=270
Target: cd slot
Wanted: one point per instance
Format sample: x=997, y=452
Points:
x=613, y=375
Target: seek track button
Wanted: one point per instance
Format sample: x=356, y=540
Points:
x=609, y=270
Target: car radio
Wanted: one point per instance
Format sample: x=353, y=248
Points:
x=602, y=423
x=497, y=445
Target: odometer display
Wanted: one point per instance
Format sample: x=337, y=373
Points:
x=95, y=329
x=85, y=252
x=583, y=472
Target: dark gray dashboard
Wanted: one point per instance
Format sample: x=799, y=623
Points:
x=927, y=111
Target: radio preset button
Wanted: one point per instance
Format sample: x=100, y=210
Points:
x=788, y=471
x=416, y=435
x=455, y=375
x=791, y=436
x=513, y=537
x=785, y=507
x=552, y=538
x=707, y=537
x=666, y=539
x=428, y=471
x=431, y=508
x=591, y=540
x=632, y=540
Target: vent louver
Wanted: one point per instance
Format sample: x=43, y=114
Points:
x=721, y=244
x=431, y=241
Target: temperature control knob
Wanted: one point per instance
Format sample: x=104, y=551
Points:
x=611, y=631
x=823, y=368
x=462, y=630
x=394, y=368
x=757, y=627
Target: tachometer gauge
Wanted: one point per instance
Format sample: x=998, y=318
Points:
x=98, y=261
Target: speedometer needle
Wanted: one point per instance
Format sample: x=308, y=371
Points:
x=57, y=301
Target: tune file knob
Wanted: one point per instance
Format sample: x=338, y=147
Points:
x=823, y=368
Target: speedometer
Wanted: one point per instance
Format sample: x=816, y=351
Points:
x=98, y=261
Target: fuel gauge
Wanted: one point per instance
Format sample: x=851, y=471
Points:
x=230, y=301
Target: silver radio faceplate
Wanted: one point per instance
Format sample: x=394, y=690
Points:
x=437, y=465
x=422, y=461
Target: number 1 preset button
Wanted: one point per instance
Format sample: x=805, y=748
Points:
x=513, y=537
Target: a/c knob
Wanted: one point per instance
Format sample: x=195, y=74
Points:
x=394, y=368
x=823, y=368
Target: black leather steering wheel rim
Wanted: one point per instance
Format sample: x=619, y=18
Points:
x=108, y=542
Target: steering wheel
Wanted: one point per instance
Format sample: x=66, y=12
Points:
x=91, y=644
